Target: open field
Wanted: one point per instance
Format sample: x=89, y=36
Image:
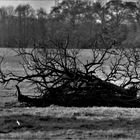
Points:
x=58, y=123
x=70, y=123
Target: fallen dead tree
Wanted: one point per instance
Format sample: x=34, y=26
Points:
x=62, y=78
x=30, y=101
x=99, y=93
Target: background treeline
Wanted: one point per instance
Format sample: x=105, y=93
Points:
x=82, y=21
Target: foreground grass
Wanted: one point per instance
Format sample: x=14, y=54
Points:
x=70, y=123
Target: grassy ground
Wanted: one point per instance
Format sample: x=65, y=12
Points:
x=64, y=123
x=70, y=123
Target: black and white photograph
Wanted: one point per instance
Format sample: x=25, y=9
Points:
x=70, y=69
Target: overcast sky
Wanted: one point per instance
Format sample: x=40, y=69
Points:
x=36, y=4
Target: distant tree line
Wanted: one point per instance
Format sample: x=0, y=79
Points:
x=83, y=21
x=62, y=76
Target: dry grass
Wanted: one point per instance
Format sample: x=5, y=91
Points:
x=70, y=123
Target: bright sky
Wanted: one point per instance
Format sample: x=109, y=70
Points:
x=36, y=4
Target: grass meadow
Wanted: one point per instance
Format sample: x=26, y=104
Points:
x=96, y=123
x=55, y=122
